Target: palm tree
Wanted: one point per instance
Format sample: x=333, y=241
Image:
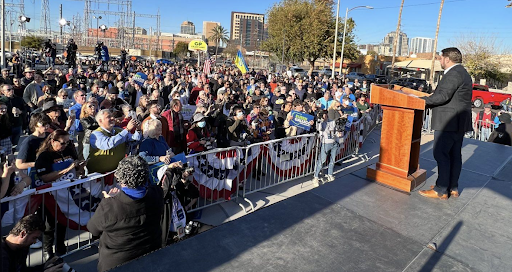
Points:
x=218, y=34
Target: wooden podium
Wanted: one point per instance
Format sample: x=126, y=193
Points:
x=402, y=121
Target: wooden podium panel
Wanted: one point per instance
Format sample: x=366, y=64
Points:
x=400, y=138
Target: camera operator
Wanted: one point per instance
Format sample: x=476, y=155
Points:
x=330, y=125
x=198, y=136
x=177, y=187
x=237, y=127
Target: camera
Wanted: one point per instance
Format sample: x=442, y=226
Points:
x=339, y=124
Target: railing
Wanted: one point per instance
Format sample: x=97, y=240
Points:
x=221, y=175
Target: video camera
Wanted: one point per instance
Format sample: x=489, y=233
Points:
x=340, y=123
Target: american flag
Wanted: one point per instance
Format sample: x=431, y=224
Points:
x=208, y=65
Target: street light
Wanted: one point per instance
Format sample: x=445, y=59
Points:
x=345, y=30
x=98, y=18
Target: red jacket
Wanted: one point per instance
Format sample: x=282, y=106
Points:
x=171, y=135
x=193, y=140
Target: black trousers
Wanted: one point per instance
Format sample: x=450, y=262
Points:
x=447, y=153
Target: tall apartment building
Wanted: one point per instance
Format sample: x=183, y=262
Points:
x=188, y=27
x=249, y=28
x=421, y=45
x=207, y=31
x=402, y=48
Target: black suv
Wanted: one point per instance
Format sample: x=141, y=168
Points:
x=410, y=82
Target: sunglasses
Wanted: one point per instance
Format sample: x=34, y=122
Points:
x=63, y=143
x=91, y=106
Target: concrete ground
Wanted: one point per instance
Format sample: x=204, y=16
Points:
x=353, y=224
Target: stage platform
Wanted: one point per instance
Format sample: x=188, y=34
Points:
x=352, y=224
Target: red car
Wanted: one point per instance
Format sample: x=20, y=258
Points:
x=482, y=96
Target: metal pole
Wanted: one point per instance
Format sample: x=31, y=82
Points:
x=133, y=31
x=97, y=29
x=432, y=71
x=3, y=34
x=343, y=42
x=395, y=42
x=336, y=40
x=60, y=23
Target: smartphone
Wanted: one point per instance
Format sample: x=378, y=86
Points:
x=10, y=159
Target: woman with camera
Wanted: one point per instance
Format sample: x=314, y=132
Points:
x=154, y=148
x=56, y=161
x=331, y=136
x=198, y=137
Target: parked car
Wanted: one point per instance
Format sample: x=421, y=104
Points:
x=377, y=79
x=410, y=82
x=295, y=70
x=482, y=96
x=355, y=75
x=326, y=72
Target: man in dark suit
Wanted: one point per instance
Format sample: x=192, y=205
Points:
x=451, y=119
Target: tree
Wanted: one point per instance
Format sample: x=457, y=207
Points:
x=304, y=30
x=480, y=56
x=218, y=34
x=232, y=48
x=32, y=42
x=181, y=49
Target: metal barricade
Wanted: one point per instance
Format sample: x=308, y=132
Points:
x=66, y=207
x=217, y=174
x=482, y=130
x=278, y=161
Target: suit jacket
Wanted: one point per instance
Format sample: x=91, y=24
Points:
x=451, y=101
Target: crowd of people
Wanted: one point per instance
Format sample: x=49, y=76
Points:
x=92, y=119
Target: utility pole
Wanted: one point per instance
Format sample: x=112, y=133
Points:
x=133, y=31
x=432, y=67
x=282, y=55
x=335, y=42
x=395, y=42
x=61, y=26
x=150, y=40
x=3, y=34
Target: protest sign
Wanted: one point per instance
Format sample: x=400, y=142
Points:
x=187, y=111
x=301, y=120
x=139, y=78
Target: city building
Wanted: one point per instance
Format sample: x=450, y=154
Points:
x=138, y=31
x=188, y=27
x=249, y=28
x=386, y=47
x=207, y=31
x=421, y=45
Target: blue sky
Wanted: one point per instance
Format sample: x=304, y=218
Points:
x=488, y=18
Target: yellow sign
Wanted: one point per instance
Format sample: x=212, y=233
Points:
x=197, y=45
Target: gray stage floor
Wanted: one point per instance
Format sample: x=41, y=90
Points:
x=352, y=224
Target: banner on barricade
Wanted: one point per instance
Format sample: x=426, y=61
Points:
x=301, y=120
x=72, y=206
x=218, y=174
x=291, y=156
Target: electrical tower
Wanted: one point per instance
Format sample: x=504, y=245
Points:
x=45, y=25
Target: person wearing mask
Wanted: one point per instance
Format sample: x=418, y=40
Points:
x=56, y=161
x=154, y=147
x=34, y=90
x=108, y=143
x=15, y=110
x=128, y=218
x=198, y=136
x=330, y=139
x=237, y=127
x=89, y=124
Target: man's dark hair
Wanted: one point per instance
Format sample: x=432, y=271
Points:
x=453, y=54
x=29, y=224
x=132, y=172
